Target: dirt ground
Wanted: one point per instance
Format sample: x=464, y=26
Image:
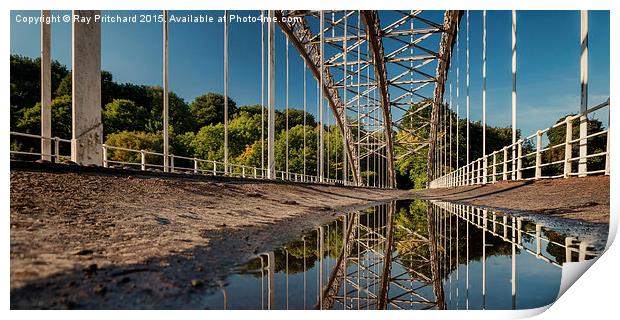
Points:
x=583, y=199
x=104, y=238
x=118, y=239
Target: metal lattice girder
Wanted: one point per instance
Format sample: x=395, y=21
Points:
x=302, y=38
x=451, y=22
x=373, y=31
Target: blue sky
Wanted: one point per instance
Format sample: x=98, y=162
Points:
x=547, y=67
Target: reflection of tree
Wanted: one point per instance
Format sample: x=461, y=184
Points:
x=558, y=252
x=412, y=218
x=332, y=244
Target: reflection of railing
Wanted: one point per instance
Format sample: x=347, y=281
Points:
x=183, y=164
x=502, y=228
x=508, y=229
x=508, y=162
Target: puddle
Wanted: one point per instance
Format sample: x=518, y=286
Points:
x=410, y=254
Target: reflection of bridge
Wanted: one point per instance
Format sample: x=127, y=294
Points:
x=378, y=72
x=384, y=263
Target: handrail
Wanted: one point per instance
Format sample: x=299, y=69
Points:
x=485, y=169
x=216, y=169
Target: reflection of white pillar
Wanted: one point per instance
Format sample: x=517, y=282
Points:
x=87, y=129
x=457, y=209
x=467, y=220
x=484, y=257
x=46, y=88
x=583, y=120
x=305, y=285
x=271, y=266
x=514, y=266
x=321, y=231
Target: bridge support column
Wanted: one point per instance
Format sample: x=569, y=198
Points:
x=87, y=129
x=583, y=120
x=46, y=89
x=271, y=97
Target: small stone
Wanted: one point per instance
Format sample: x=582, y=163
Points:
x=196, y=283
x=84, y=252
x=91, y=268
x=99, y=290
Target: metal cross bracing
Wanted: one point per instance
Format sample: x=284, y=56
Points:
x=379, y=67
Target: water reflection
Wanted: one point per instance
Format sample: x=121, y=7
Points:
x=409, y=255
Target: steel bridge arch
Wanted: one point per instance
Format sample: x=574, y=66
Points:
x=300, y=34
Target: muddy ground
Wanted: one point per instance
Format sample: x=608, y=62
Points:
x=578, y=199
x=108, y=238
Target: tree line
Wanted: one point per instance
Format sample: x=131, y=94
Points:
x=132, y=118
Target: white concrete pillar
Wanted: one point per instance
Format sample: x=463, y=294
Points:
x=87, y=129
x=46, y=88
x=583, y=120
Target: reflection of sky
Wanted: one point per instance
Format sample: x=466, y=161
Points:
x=548, y=61
x=538, y=283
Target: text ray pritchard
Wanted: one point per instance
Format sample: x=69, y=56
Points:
x=130, y=17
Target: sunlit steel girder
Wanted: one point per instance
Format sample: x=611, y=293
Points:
x=451, y=22
x=373, y=32
x=299, y=34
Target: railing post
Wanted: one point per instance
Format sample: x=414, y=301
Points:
x=538, y=171
x=57, y=149
x=142, y=160
x=505, y=165
x=485, y=164
x=568, y=242
x=171, y=163
x=105, y=155
x=519, y=158
x=583, y=248
x=538, y=240
x=494, y=167
x=243, y=170
x=519, y=232
x=568, y=150
x=480, y=170
x=254, y=172
x=607, y=149
x=195, y=165
x=214, y=168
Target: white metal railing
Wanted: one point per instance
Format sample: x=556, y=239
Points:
x=198, y=166
x=55, y=154
x=507, y=163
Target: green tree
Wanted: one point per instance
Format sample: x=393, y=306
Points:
x=136, y=140
x=123, y=115
x=209, y=109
